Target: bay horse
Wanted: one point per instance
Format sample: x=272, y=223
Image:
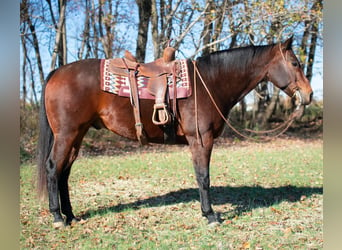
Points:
x=72, y=102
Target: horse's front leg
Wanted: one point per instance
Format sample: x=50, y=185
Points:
x=201, y=152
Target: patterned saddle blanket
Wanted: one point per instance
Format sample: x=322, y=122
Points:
x=118, y=84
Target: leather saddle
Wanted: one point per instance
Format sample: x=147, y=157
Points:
x=157, y=73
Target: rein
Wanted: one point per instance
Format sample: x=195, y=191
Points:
x=283, y=126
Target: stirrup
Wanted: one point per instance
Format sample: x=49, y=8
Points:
x=162, y=117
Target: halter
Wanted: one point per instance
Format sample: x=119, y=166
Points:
x=292, y=88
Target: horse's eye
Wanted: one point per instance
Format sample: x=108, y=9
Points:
x=294, y=64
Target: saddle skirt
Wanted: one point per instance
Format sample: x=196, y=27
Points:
x=116, y=81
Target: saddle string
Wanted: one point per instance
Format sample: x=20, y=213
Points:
x=286, y=124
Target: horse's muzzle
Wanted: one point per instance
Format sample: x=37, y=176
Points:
x=303, y=98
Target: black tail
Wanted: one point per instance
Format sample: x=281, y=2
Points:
x=45, y=143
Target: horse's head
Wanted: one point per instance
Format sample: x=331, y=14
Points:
x=286, y=73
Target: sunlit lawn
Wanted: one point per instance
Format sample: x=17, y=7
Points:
x=269, y=196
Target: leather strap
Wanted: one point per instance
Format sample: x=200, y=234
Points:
x=174, y=79
x=290, y=89
x=134, y=95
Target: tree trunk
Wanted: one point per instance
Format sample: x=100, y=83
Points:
x=106, y=24
x=155, y=32
x=58, y=37
x=260, y=106
x=221, y=10
x=314, y=34
x=161, y=22
x=169, y=17
x=95, y=31
x=23, y=68
x=207, y=31
x=35, y=42
x=145, y=9
x=304, y=45
x=62, y=52
x=270, y=108
x=85, y=34
x=243, y=110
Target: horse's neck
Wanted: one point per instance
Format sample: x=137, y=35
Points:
x=244, y=79
x=231, y=82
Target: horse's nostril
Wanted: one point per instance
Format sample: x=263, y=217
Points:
x=311, y=95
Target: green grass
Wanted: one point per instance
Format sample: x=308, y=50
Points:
x=270, y=196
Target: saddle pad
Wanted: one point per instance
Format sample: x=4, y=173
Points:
x=119, y=85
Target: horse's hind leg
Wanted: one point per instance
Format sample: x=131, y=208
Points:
x=57, y=177
x=64, y=196
x=53, y=169
x=63, y=184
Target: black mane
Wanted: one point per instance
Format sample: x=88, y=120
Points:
x=240, y=59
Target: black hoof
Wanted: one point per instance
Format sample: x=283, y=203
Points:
x=73, y=221
x=214, y=218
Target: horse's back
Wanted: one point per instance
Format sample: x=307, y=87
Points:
x=87, y=70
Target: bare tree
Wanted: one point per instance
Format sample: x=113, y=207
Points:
x=107, y=23
x=145, y=10
x=162, y=20
x=213, y=24
x=206, y=34
x=25, y=17
x=85, y=34
x=309, y=45
x=23, y=68
x=58, y=48
x=93, y=22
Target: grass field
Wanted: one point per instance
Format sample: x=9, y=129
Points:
x=269, y=195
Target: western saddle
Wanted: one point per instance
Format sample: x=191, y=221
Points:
x=157, y=73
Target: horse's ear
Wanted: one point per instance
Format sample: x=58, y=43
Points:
x=288, y=43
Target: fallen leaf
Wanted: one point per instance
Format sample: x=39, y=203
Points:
x=276, y=211
x=227, y=222
x=287, y=231
x=246, y=245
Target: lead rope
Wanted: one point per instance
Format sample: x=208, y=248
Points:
x=287, y=124
x=199, y=139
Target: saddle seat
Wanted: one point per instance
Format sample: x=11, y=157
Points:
x=163, y=65
x=160, y=66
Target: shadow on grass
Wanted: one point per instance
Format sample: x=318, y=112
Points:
x=243, y=199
